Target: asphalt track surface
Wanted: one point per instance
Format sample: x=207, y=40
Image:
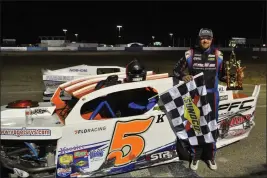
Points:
x=21, y=78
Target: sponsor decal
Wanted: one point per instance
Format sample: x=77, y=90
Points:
x=220, y=89
x=74, y=148
x=207, y=66
x=240, y=105
x=197, y=58
x=224, y=97
x=63, y=172
x=96, y=129
x=59, y=78
x=162, y=155
x=81, y=163
x=237, y=120
x=98, y=153
x=39, y=111
x=197, y=55
x=78, y=70
x=79, y=154
x=65, y=159
x=211, y=59
x=211, y=55
x=51, y=84
x=25, y=132
x=192, y=113
x=160, y=118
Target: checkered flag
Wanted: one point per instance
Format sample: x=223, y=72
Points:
x=189, y=112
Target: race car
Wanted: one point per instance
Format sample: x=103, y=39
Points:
x=53, y=78
x=98, y=133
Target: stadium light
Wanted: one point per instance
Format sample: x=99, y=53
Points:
x=171, y=35
x=76, y=34
x=65, y=31
x=119, y=27
x=153, y=37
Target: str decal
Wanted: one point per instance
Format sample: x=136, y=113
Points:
x=161, y=156
x=126, y=144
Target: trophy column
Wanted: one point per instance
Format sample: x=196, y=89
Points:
x=234, y=71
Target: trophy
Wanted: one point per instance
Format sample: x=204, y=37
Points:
x=234, y=71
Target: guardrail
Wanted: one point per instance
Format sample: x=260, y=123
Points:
x=94, y=49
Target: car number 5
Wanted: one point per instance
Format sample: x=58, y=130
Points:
x=126, y=144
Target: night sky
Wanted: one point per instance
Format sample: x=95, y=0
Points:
x=96, y=21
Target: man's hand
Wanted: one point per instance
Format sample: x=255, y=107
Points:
x=187, y=78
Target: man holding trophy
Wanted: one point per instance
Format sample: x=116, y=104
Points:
x=208, y=60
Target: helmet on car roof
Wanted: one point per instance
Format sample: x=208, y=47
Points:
x=135, y=71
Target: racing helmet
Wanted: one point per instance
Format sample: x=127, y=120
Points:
x=135, y=71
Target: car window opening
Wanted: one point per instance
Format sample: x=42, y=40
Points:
x=120, y=104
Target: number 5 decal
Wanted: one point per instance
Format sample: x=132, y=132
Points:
x=126, y=144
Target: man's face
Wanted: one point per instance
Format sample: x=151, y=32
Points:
x=205, y=42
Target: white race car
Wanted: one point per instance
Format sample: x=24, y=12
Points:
x=53, y=78
x=96, y=133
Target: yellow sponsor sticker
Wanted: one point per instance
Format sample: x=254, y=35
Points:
x=66, y=159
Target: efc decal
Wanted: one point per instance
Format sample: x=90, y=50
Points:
x=241, y=105
x=126, y=144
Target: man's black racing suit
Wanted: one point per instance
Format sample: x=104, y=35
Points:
x=210, y=62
